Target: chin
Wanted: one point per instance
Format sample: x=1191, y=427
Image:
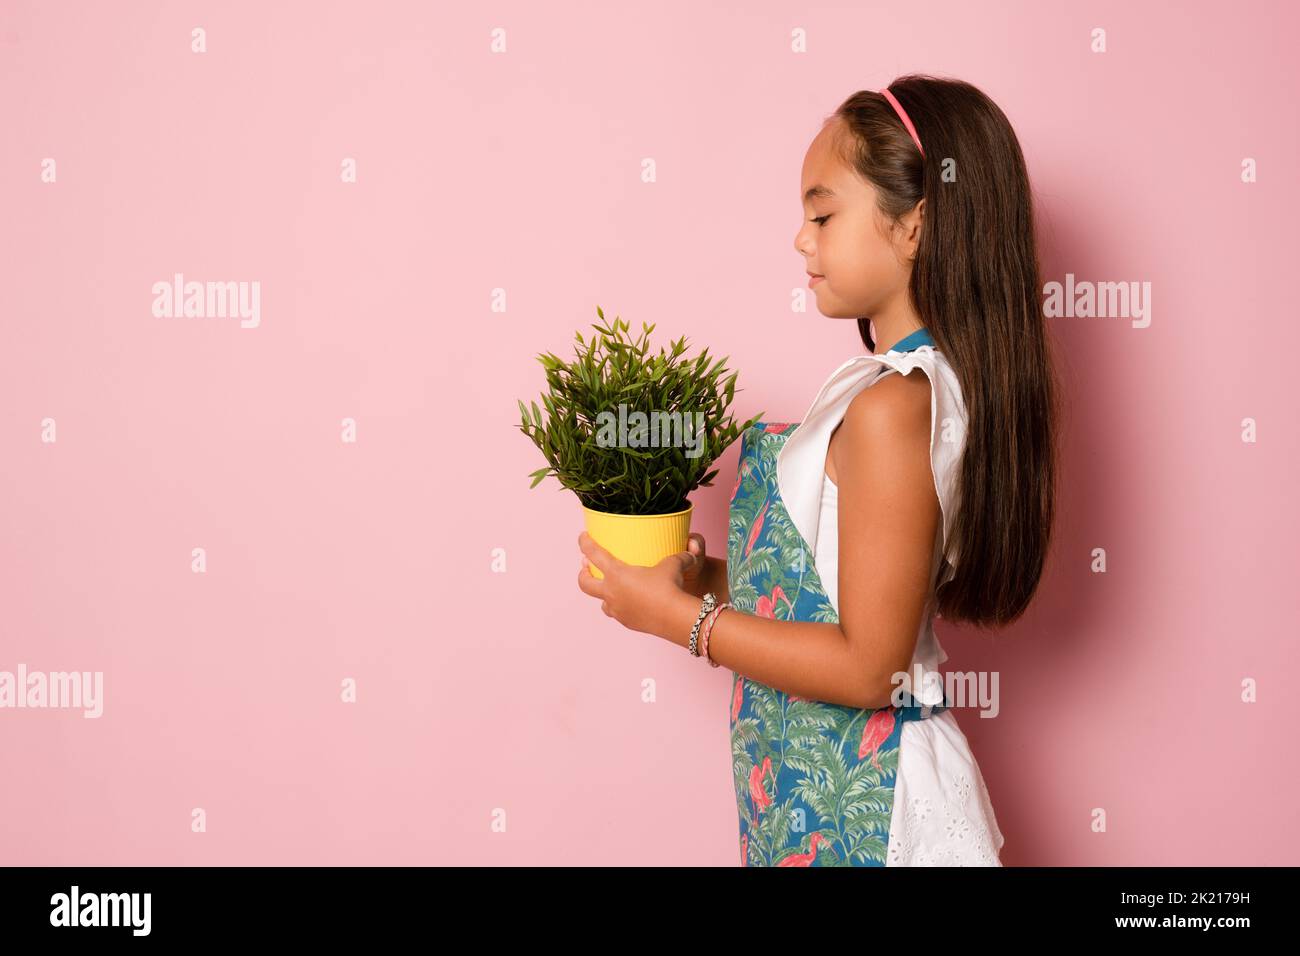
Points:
x=833, y=312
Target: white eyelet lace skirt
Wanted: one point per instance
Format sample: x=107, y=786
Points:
x=942, y=813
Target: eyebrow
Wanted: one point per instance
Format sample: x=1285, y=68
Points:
x=818, y=192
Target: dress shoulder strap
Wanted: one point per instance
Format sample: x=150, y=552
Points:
x=801, y=465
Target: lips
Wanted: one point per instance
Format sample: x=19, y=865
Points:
x=813, y=279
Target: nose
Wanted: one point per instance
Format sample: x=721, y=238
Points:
x=800, y=243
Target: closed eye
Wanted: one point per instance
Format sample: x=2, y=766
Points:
x=821, y=220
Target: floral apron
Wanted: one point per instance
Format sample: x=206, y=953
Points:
x=814, y=780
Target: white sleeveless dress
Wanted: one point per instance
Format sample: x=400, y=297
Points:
x=942, y=814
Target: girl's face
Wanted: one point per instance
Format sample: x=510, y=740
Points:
x=865, y=268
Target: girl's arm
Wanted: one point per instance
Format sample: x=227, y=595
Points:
x=802, y=658
x=888, y=519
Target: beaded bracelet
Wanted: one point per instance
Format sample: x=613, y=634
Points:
x=710, y=602
x=708, y=629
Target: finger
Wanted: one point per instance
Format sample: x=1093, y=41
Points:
x=685, y=561
x=588, y=583
x=597, y=555
x=695, y=544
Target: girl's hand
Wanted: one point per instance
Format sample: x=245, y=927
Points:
x=635, y=596
x=693, y=576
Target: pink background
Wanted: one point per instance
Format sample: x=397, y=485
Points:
x=521, y=171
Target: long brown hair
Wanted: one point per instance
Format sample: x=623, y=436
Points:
x=975, y=286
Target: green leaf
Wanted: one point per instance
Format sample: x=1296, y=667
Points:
x=611, y=366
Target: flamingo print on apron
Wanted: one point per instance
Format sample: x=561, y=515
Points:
x=814, y=781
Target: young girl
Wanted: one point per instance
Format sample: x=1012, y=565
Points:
x=899, y=497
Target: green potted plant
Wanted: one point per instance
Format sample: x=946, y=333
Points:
x=632, y=434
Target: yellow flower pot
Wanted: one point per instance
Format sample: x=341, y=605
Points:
x=643, y=540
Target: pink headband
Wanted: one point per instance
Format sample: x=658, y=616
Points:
x=902, y=114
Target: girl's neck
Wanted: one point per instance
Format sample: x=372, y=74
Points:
x=890, y=331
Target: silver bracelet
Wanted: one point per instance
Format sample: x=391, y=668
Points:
x=710, y=602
